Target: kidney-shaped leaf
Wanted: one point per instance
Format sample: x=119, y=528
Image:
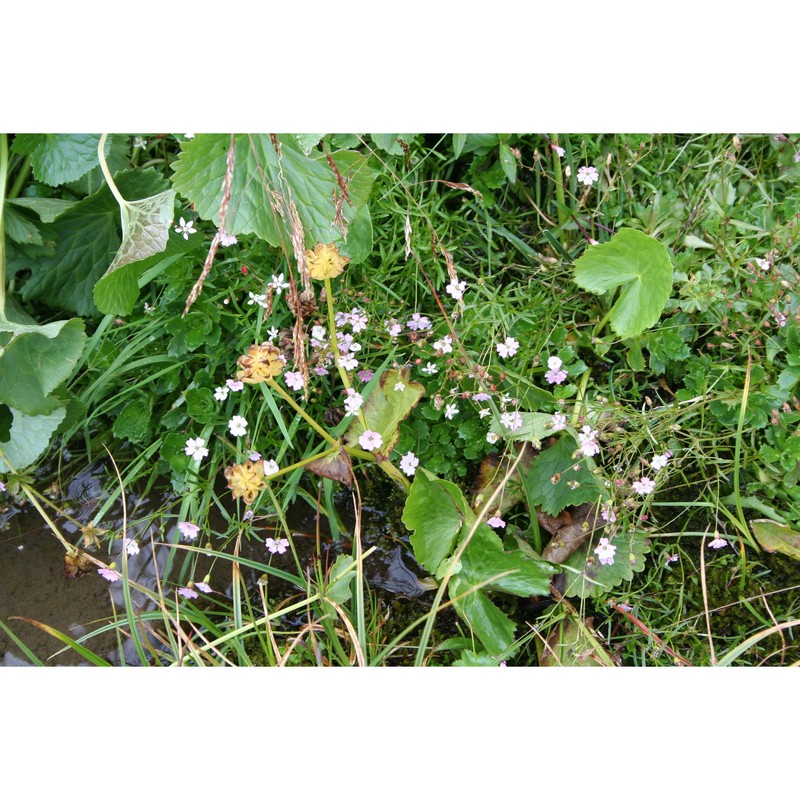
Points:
x=640, y=267
x=776, y=538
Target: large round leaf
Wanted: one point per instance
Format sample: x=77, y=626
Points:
x=640, y=266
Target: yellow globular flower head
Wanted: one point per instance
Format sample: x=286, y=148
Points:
x=325, y=261
x=246, y=480
x=261, y=361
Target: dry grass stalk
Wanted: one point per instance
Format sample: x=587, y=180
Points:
x=227, y=182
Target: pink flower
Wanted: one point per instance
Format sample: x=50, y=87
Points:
x=559, y=422
x=559, y=150
x=294, y=380
x=203, y=587
x=644, y=486
x=234, y=386
x=588, y=175
x=189, y=530
x=110, y=575
x=605, y=551
x=555, y=373
x=365, y=375
x=189, y=594
x=276, y=545
x=409, y=463
x=370, y=440
x=495, y=522
x=589, y=445
x=717, y=542
x=608, y=514
x=418, y=323
x=511, y=420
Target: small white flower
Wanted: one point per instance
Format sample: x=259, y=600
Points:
x=409, y=463
x=496, y=522
x=763, y=263
x=185, y=228
x=399, y=386
x=278, y=283
x=221, y=393
x=456, y=289
x=370, y=440
x=318, y=333
x=484, y=412
x=196, y=449
x=508, y=348
x=227, y=239
x=257, y=299
x=717, y=542
x=559, y=150
x=270, y=467
x=418, y=323
x=492, y=437
x=394, y=328
x=348, y=362
x=254, y=455
x=234, y=385
x=660, y=461
x=444, y=345
x=131, y=546
x=237, y=425
x=429, y=369
x=450, y=410
x=511, y=420
x=605, y=551
x=278, y=546
x=272, y=333
x=139, y=142
x=588, y=175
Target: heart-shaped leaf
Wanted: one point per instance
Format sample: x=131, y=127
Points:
x=640, y=267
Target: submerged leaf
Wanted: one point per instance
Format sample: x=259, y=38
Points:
x=336, y=466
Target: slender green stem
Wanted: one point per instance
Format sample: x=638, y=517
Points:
x=563, y=216
x=3, y=177
x=19, y=181
x=579, y=402
x=290, y=400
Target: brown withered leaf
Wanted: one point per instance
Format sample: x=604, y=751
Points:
x=336, y=466
x=491, y=472
x=573, y=643
x=569, y=530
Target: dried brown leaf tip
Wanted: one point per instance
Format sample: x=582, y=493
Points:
x=260, y=362
x=325, y=261
x=246, y=480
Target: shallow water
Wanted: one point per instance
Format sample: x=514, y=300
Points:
x=34, y=584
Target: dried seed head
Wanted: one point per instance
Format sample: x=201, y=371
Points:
x=262, y=361
x=325, y=261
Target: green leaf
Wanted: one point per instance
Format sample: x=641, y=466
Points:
x=508, y=163
x=592, y=578
x=484, y=559
x=459, y=140
x=60, y=158
x=19, y=228
x=35, y=359
x=145, y=232
x=640, y=266
x=494, y=629
x=776, y=538
x=535, y=428
x=262, y=186
x=133, y=422
x=30, y=437
x=201, y=405
x=389, y=142
x=434, y=517
x=551, y=474
x=86, y=238
x=46, y=208
x=337, y=587
x=386, y=408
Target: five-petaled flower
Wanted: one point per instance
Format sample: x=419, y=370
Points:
x=325, y=261
x=246, y=480
x=188, y=593
x=559, y=150
x=450, y=410
x=660, y=461
x=353, y=402
x=589, y=446
x=185, y=228
x=511, y=420
x=508, y=348
x=221, y=393
x=605, y=551
x=294, y=380
x=370, y=440
x=555, y=374
x=237, y=425
x=131, y=546
x=227, y=239
x=588, y=175
x=644, y=486
x=188, y=530
x=278, y=283
x=456, y=289
x=409, y=463
x=234, y=386
x=429, y=369
x=196, y=449
x=559, y=422
x=270, y=466
x=496, y=522
x=418, y=322
x=278, y=546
